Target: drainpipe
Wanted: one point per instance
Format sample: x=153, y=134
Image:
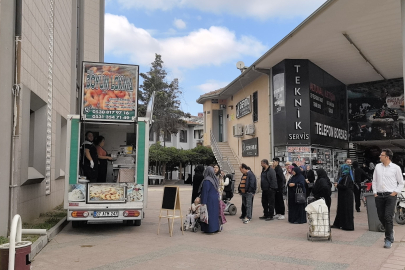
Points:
x=16, y=99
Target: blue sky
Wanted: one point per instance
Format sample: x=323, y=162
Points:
x=200, y=41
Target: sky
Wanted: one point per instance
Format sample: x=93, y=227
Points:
x=200, y=41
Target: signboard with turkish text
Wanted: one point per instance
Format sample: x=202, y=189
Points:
x=109, y=92
x=250, y=148
x=243, y=107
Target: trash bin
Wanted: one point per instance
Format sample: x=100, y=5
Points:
x=22, y=255
x=374, y=223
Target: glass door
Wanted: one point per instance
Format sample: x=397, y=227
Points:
x=221, y=126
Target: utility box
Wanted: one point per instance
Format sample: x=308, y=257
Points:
x=238, y=130
x=22, y=255
x=374, y=223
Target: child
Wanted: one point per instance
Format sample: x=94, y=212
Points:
x=193, y=214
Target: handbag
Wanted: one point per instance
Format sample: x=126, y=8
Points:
x=300, y=197
x=204, y=214
x=310, y=185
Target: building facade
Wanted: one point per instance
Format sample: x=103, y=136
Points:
x=42, y=46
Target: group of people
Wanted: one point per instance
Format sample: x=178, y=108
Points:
x=94, y=158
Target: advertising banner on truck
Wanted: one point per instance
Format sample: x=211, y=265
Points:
x=109, y=92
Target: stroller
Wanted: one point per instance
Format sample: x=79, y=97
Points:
x=227, y=195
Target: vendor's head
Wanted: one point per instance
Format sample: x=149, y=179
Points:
x=100, y=141
x=197, y=200
x=217, y=169
x=89, y=136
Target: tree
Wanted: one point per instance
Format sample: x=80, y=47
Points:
x=167, y=114
x=204, y=155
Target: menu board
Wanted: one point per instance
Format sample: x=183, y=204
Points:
x=109, y=92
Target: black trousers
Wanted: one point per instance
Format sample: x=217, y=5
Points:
x=243, y=208
x=279, y=203
x=385, y=210
x=268, y=202
x=357, y=192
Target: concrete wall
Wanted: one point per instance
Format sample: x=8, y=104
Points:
x=261, y=85
x=6, y=77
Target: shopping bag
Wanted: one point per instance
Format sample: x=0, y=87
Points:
x=300, y=196
x=204, y=213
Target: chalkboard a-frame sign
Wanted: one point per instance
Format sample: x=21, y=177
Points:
x=171, y=202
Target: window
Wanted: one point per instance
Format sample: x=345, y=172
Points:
x=183, y=136
x=255, y=108
x=168, y=136
x=198, y=134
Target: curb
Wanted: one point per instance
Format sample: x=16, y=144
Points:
x=38, y=245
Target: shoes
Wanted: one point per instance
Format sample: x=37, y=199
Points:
x=277, y=216
x=263, y=217
x=241, y=217
x=246, y=221
x=358, y=210
x=387, y=243
x=269, y=218
x=281, y=217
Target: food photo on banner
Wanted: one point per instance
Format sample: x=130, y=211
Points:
x=109, y=92
x=376, y=110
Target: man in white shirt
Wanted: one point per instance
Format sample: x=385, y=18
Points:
x=387, y=183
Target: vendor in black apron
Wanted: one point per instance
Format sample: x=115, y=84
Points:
x=89, y=158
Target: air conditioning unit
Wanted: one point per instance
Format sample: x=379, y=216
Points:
x=238, y=130
x=250, y=129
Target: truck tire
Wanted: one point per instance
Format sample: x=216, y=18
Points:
x=129, y=222
x=137, y=222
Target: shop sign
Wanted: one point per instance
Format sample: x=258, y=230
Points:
x=250, y=148
x=297, y=149
x=109, y=92
x=243, y=107
x=329, y=131
x=278, y=92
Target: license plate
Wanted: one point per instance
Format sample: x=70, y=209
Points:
x=97, y=214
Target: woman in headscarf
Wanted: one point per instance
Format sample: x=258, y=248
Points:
x=309, y=179
x=323, y=187
x=209, y=197
x=220, y=176
x=344, y=216
x=296, y=212
x=197, y=180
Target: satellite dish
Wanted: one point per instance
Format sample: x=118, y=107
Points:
x=240, y=65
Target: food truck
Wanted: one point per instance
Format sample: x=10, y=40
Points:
x=109, y=109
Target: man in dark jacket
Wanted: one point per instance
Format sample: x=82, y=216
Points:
x=269, y=187
x=250, y=190
x=279, y=200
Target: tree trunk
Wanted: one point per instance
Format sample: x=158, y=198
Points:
x=184, y=169
x=180, y=171
x=164, y=172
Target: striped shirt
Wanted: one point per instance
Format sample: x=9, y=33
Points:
x=387, y=178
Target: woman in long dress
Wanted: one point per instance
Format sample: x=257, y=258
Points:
x=103, y=158
x=344, y=216
x=296, y=212
x=197, y=180
x=323, y=187
x=209, y=197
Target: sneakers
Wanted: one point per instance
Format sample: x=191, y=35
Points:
x=246, y=221
x=387, y=243
x=281, y=217
x=277, y=216
x=269, y=218
x=263, y=217
x=241, y=217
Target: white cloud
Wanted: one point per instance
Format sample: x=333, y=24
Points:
x=203, y=47
x=179, y=23
x=254, y=8
x=212, y=85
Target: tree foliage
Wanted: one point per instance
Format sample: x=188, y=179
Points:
x=167, y=114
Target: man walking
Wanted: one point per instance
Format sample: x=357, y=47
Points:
x=387, y=183
x=250, y=190
x=279, y=200
x=269, y=187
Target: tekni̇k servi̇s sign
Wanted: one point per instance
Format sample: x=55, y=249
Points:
x=109, y=92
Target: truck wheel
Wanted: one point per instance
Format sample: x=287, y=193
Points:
x=129, y=222
x=137, y=222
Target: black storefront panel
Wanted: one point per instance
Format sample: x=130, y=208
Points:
x=297, y=102
x=279, y=104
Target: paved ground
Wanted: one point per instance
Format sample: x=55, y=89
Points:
x=258, y=245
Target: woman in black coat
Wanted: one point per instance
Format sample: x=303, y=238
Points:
x=296, y=212
x=197, y=180
x=359, y=176
x=309, y=179
x=344, y=215
x=323, y=187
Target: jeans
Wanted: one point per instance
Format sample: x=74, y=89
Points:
x=268, y=201
x=247, y=199
x=385, y=210
x=279, y=203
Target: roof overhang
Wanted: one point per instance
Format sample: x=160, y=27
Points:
x=374, y=26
